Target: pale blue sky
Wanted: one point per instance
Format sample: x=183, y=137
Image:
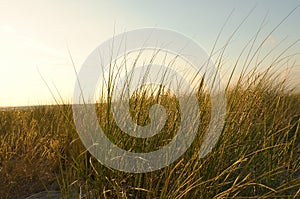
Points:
x=33, y=34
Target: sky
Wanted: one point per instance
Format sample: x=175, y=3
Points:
x=37, y=36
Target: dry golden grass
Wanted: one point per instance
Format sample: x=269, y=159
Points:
x=257, y=155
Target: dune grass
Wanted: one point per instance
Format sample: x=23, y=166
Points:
x=257, y=155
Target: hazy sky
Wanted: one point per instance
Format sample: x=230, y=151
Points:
x=34, y=35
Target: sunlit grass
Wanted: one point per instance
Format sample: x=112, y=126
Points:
x=257, y=155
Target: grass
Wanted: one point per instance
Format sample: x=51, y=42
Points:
x=257, y=155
